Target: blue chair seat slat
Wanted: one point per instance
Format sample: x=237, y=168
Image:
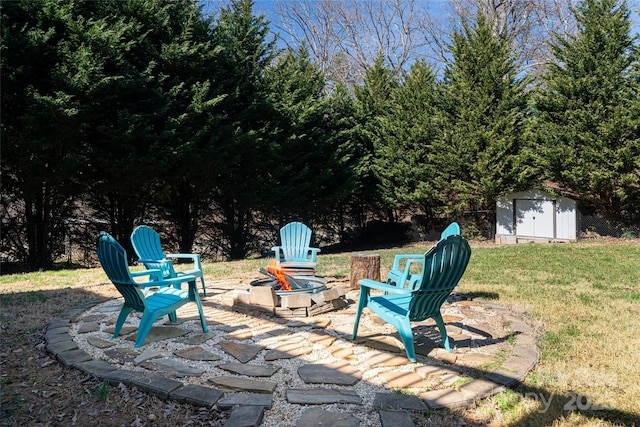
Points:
x=396, y=305
x=166, y=297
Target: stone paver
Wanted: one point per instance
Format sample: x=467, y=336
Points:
x=172, y=368
x=246, y=399
x=395, y=419
x=397, y=401
x=245, y=416
x=287, y=351
x=197, y=353
x=318, y=396
x=73, y=357
x=243, y=384
x=401, y=379
x=444, y=398
x=316, y=417
x=477, y=332
x=146, y=355
x=197, y=395
x=86, y=327
x=100, y=343
x=159, y=333
x=250, y=370
x=242, y=352
x=342, y=373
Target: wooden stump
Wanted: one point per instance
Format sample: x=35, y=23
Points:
x=364, y=267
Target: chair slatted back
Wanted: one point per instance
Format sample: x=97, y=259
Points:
x=146, y=242
x=444, y=265
x=295, y=238
x=113, y=259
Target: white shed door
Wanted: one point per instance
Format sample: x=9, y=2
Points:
x=534, y=218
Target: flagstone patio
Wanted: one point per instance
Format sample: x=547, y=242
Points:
x=272, y=371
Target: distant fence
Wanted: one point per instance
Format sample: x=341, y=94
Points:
x=591, y=226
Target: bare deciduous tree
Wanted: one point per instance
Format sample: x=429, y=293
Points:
x=345, y=36
x=529, y=24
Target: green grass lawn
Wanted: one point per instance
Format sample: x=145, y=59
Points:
x=583, y=299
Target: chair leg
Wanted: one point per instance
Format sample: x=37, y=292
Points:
x=204, y=289
x=124, y=313
x=193, y=296
x=443, y=332
x=362, y=303
x=404, y=328
x=143, y=329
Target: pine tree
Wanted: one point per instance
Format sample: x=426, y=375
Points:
x=307, y=158
x=190, y=97
x=242, y=138
x=46, y=69
x=373, y=106
x=405, y=161
x=484, y=112
x=587, y=123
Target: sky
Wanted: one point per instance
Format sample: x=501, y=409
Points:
x=436, y=7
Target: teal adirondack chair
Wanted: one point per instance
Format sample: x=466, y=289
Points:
x=146, y=243
x=444, y=265
x=403, y=270
x=294, y=250
x=164, y=301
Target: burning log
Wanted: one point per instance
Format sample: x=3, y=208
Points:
x=283, y=281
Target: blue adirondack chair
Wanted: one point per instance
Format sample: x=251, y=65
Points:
x=164, y=301
x=444, y=265
x=403, y=271
x=146, y=243
x=294, y=250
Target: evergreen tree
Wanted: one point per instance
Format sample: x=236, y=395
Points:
x=295, y=91
x=190, y=96
x=308, y=161
x=588, y=118
x=46, y=67
x=148, y=85
x=373, y=102
x=345, y=166
x=242, y=138
x=484, y=112
x=405, y=162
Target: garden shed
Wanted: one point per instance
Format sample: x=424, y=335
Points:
x=535, y=216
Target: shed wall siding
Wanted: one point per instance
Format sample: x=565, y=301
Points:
x=530, y=214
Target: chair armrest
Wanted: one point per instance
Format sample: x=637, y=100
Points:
x=156, y=261
x=149, y=272
x=313, y=253
x=278, y=251
x=155, y=274
x=400, y=276
x=194, y=257
x=398, y=259
x=176, y=281
x=374, y=284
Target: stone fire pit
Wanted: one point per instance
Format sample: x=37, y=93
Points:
x=283, y=295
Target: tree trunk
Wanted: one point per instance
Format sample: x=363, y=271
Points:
x=364, y=266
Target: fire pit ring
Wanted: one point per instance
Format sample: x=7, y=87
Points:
x=305, y=285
